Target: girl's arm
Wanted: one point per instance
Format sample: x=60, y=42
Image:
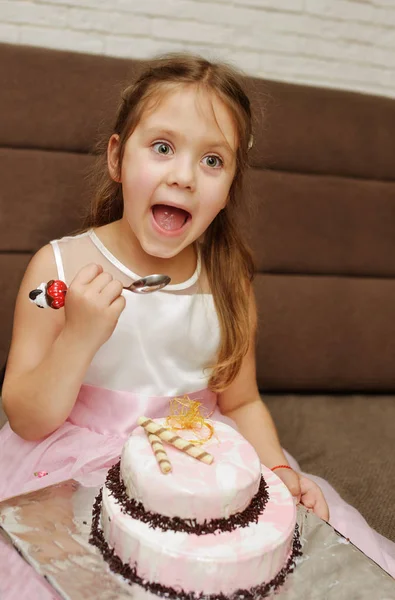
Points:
x=52, y=349
x=242, y=403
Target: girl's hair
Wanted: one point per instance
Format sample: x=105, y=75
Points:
x=226, y=258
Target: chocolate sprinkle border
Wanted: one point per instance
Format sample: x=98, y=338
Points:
x=130, y=573
x=136, y=510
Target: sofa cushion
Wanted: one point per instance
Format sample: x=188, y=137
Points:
x=318, y=130
x=320, y=224
x=12, y=268
x=298, y=128
x=348, y=440
x=44, y=196
x=57, y=100
x=325, y=333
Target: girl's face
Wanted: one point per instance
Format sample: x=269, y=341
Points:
x=177, y=169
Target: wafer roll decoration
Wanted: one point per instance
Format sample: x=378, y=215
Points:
x=175, y=440
x=160, y=453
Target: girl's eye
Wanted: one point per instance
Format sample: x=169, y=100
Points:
x=213, y=161
x=162, y=148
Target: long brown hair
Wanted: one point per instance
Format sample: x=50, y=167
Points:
x=226, y=258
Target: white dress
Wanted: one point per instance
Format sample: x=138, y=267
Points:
x=162, y=347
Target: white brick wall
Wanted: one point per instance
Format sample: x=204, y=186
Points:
x=347, y=44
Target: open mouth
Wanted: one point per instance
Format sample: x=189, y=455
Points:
x=170, y=218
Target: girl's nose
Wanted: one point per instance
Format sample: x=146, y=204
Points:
x=182, y=174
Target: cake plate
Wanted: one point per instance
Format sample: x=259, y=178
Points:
x=50, y=529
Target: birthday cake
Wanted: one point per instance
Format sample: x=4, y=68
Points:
x=186, y=520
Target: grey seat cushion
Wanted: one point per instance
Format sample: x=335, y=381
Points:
x=349, y=441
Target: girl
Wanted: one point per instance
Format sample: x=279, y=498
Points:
x=165, y=203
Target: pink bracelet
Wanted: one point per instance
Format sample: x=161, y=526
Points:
x=281, y=467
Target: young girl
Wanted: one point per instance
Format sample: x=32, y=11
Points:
x=78, y=378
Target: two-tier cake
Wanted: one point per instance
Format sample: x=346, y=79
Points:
x=219, y=530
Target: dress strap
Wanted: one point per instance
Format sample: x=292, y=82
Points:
x=58, y=260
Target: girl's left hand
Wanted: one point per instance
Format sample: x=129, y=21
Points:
x=311, y=496
x=306, y=491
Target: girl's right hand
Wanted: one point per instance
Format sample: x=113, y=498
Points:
x=93, y=305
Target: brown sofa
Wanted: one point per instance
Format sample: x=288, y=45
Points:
x=321, y=224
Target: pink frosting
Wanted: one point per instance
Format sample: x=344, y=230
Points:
x=193, y=489
x=213, y=563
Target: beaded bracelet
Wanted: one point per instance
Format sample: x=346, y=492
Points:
x=281, y=467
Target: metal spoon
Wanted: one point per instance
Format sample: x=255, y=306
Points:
x=151, y=283
x=55, y=299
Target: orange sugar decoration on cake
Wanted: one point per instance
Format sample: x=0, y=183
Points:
x=187, y=414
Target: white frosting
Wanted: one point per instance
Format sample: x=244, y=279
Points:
x=212, y=563
x=193, y=489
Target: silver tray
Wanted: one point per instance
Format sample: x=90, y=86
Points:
x=51, y=527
